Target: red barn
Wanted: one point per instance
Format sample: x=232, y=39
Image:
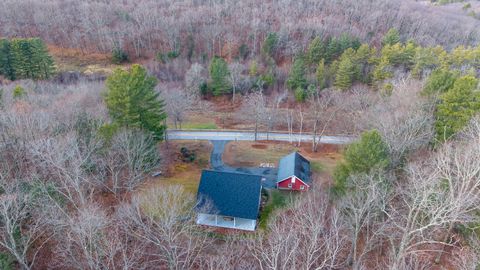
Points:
x=294, y=173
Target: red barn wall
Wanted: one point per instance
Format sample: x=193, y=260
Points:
x=295, y=186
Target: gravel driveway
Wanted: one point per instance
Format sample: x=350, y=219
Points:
x=216, y=161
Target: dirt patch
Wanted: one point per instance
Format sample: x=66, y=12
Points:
x=259, y=146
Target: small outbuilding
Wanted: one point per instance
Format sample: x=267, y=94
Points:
x=229, y=200
x=294, y=173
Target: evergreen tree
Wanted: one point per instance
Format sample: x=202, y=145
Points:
x=270, y=44
x=457, y=107
x=367, y=154
x=345, y=73
x=382, y=71
x=316, y=51
x=391, y=37
x=346, y=41
x=30, y=59
x=321, y=75
x=43, y=64
x=219, y=73
x=362, y=61
x=6, y=68
x=439, y=81
x=132, y=101
x=22, y=55
x=296, y=78
x=333, y=50
x=119, y=56
x=300, y=94
x=425, y=59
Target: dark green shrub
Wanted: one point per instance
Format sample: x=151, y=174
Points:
x=119, y=56
x=243, y=51
x=187, y=155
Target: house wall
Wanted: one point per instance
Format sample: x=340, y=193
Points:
x=227, y=222
x=296, y=184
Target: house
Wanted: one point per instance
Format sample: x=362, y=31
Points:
x=229, y=200
x=293, y=173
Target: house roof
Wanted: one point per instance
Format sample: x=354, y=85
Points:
x=232, y=194
x=294, y=164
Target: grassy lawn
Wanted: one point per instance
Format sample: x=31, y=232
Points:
x=316, y=166
x=192, y=125
x=197, y=121
x=186, y=174
x=252, y=154
x=277, y=199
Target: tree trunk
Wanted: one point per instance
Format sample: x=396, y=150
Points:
x=449, y=232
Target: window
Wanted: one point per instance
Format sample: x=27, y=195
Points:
x=302, y=187
x=290, y=185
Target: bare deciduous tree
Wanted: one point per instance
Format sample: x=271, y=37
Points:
x=254, y=109
x=23, y=229
x=289, y=245
x=164, y=218
x=442, y=192
x=362, y=210
x=177, y=104
x=324, y=107
x=194, y=77
x=235, y=76
x=131, y=155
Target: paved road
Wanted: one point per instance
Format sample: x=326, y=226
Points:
x=270, y=174
x=250, y=136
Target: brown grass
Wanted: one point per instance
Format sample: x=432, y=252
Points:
x=252, y=154
x=182, y=173
x=70, y=59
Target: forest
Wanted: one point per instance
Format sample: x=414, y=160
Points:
x=89, y=90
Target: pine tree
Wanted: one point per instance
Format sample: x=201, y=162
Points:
x=132, y=101
x=296, y=78
x=30, y=59
x=22, y=55
x=391, y=37
x=363, y=156
x=439, y=82
x=321, y=75
x=6, y=68
x=362, y=58
x=457, y=107
x=345, y=73
x=316, y=51
x=270, y=44
x=333, y=50
x=219, y=76
x=43, y=64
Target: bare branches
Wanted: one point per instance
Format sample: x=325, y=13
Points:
x=164, y=219
x=309, y=236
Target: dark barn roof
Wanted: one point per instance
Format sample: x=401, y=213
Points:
x=294, y=164
x=232, y=194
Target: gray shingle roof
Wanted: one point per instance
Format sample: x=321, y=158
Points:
x=232, y=194
x=294, y=164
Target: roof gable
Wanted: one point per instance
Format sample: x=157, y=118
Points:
x=294, y=164
x=232, y=194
